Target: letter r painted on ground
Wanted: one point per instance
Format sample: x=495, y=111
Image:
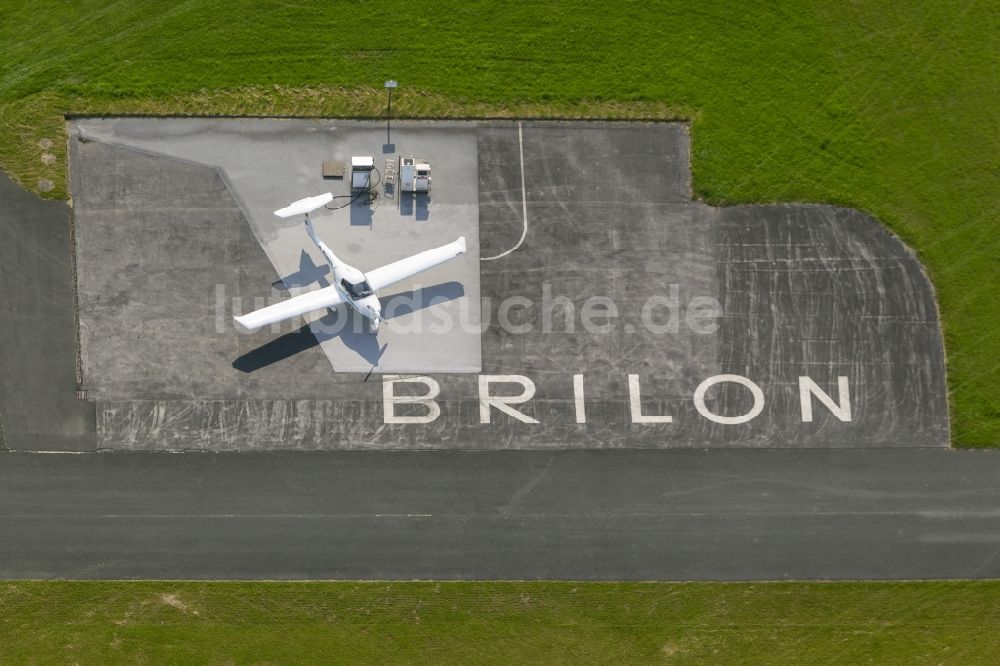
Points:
x=503, y=403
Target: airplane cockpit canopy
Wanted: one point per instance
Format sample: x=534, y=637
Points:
x=357, y=289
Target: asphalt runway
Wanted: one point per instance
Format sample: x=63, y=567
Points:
x=595, y=515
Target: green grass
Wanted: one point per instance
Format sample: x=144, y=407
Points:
x=451, y=623
x=889, y=107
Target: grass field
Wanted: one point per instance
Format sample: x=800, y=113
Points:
x=889, y=107
x=467, y=623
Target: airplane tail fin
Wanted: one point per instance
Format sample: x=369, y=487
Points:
x=304, y=207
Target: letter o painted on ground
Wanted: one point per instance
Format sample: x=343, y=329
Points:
x=699, y=399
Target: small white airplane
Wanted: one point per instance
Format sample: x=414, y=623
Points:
x=350, y=285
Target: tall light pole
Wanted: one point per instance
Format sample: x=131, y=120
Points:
x=389, y=85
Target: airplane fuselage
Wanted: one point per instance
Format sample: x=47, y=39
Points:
x=350, y=282
x=355, y=292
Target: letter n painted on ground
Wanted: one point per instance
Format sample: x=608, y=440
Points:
x=808, y=388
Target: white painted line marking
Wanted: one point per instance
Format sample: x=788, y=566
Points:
x=666, y=513
x=524, y=198
x=220, y=516
x=581, y=414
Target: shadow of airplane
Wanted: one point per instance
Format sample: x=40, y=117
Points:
x=406, y=302
x=345, y=323
x=276, y=350
x=307, y=274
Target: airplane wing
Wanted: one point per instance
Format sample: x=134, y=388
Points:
x=404, y=268
x=327, y=297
